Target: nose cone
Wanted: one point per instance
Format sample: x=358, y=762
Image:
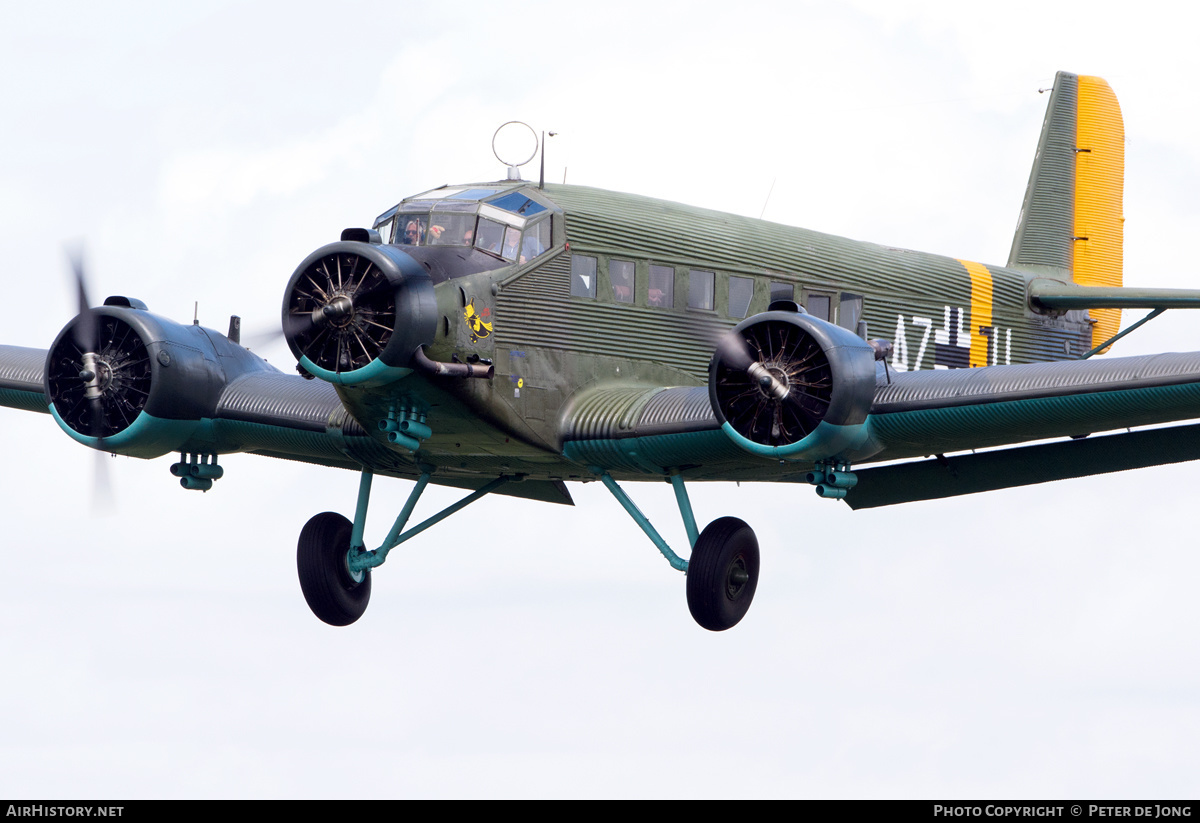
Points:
x=355, y=313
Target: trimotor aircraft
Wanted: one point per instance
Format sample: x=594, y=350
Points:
x=510, y=337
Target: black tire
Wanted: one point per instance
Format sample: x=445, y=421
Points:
x=722, y=574
x=328, y=588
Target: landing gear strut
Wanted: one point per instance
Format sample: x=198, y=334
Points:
x=722, y=573
x=334, y=565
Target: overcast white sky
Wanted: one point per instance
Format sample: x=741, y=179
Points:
x=1036, y=642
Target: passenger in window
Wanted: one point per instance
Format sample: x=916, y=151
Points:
x=621, y=273
x=662, y=282
x=531, y=246
x=512, y=242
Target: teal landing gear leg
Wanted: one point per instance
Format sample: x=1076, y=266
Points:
x=332, y=560
x=722, y=573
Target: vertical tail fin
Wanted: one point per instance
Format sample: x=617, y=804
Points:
x=1072, y=220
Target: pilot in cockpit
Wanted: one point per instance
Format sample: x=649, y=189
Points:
x=413, y=232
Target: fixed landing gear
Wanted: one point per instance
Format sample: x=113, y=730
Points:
x=335, y=594
x=334, y=565
x=722, y=574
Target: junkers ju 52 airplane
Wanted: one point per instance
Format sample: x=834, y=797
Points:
x=509, y=337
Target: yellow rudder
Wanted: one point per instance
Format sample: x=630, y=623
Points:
x=1099, y=197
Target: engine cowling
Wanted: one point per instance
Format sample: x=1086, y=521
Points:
x=123, y=380
x=789, y=386
x=355, y=313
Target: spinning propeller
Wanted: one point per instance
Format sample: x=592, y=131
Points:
x=772, y=382
x=98, y=376
x=341, y=312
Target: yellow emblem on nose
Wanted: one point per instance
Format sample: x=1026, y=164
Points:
x=477, y=322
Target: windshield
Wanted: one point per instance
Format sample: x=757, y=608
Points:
x=503, y=221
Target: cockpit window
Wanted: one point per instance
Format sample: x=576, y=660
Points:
x=410, y=229
x=451, y=230
x=472, y=194
x=457, y=193
x=537, y=240
x=467, y=229
x=490, y=236
x=518, y=203
x=512, y=243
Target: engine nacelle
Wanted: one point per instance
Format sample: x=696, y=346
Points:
x=123, y=380
x=355, y=313
x=788, y=386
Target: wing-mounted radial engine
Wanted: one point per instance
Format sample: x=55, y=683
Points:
x=789, y=386
x=126, y=381
x=356, y=313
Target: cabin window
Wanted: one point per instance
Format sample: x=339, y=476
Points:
x=620, y=273
x=701, y=289
x=850, y=311
x=662, y=286
x=741, y=292
x=818, y=306
x=583, y=276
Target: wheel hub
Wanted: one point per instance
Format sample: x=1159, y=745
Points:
x=736, y=578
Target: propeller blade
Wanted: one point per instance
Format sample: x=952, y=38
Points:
x=735, y=351
x=295, y=326
x=103, y=498
x=87, y=338
x=86, y=332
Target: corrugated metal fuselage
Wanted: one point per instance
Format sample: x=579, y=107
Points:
x=551, y=348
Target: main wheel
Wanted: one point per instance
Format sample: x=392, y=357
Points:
x=330, y=590
x=722, y=574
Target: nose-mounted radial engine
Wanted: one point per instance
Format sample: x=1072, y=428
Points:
x=355, y=313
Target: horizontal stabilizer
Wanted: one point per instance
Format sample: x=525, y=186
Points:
x=1025, y=466
x=1055, y=295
